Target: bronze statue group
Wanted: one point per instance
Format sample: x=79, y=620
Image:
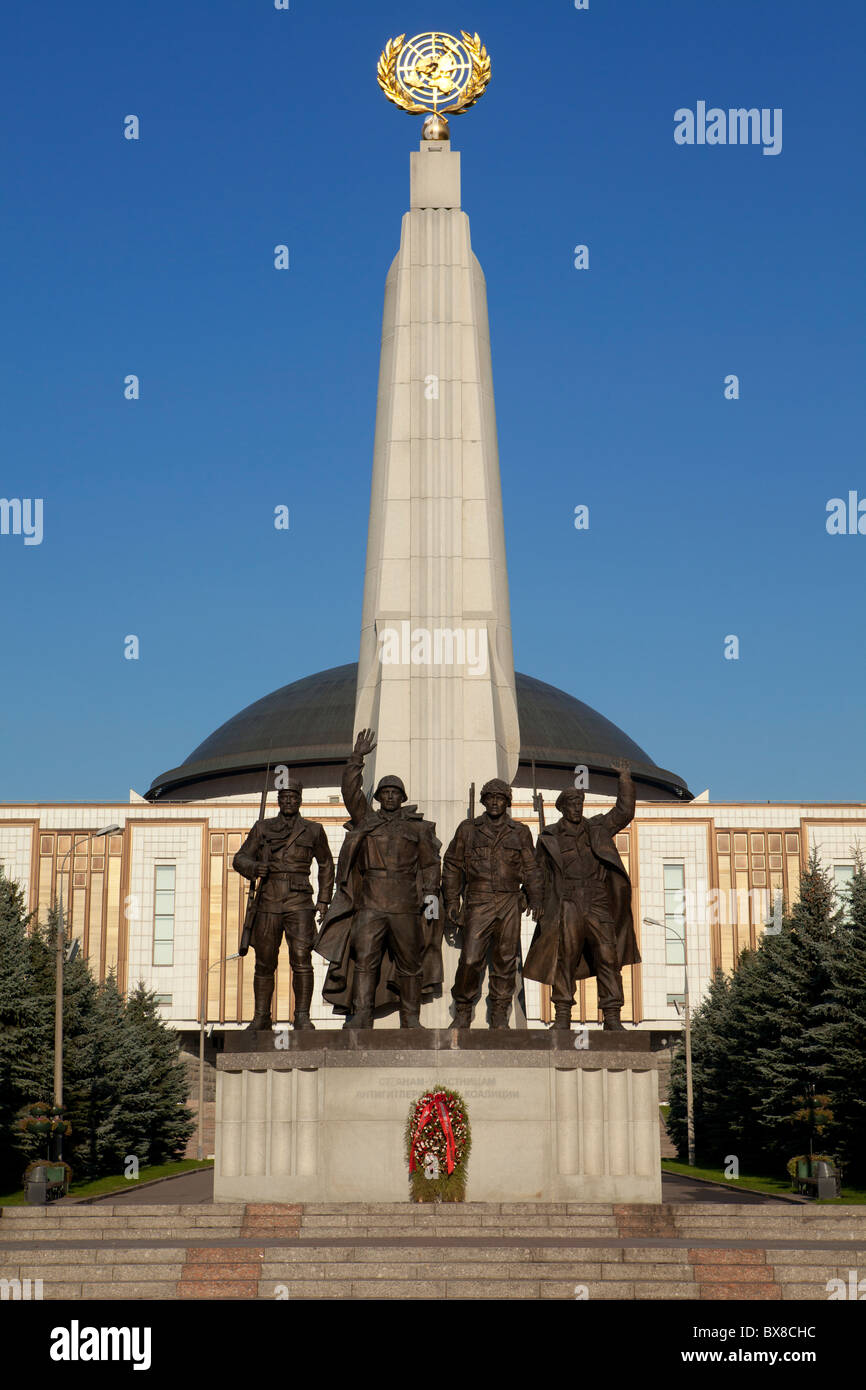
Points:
x=381, y=930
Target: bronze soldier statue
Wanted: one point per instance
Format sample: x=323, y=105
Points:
x=489, y=862
x=382, y=934
x=280, y=852
x=586, y=925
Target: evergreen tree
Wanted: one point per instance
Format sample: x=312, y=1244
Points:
x=117, y=1087
x=844, y=1033
x=163, y=1123
x=709, y=1077
x=729, y=1029
x=749, y=1029
x=79, y=1021
x=793, y=1065
x=13, y=1032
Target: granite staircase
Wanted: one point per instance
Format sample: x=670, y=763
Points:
x=538, y=1250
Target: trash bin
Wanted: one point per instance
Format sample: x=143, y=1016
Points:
x=45, y=1182
x=827, y=1179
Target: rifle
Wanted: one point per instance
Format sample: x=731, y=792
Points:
x=471, y=800
x=537, y=800
x=255, y=889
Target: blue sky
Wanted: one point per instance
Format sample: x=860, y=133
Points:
x=258, y=127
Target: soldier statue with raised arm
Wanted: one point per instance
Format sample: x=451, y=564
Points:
x=586, y=924
x=382, y=936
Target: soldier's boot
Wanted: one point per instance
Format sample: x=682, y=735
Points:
x=363, y=994
x=563, y=1016
x=263, y=989
x=611, y=1020
x=462, y=1016
x=410, y=1001
x=303, y=986
x=499, y=1013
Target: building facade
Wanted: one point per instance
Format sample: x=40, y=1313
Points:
x=159, y=901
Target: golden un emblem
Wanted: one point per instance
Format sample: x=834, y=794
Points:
x=435, y=73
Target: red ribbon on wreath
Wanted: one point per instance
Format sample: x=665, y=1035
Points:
x=439, y=1105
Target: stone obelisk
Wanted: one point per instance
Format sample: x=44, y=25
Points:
x=436, y=669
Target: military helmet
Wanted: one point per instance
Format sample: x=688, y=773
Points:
x=496, y=787
x=390, y=781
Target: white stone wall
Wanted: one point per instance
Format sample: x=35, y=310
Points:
x=16, y=844
x=836, y=843
x=673, y=844
x=667, y=833
x=181, y=846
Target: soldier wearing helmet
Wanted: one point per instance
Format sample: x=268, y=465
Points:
x=383, y=947
x=491, y=866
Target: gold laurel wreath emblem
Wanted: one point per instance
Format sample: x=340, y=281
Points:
x=386, y=74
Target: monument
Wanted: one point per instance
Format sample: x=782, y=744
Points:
x=490, y=864
x=388, y=871
x=554, y=1115
x=586, y=927
x=279, y=853
x=436, y=669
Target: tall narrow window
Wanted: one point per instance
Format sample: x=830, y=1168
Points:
x=842, y=876
x=675, y=913
x=163, y=915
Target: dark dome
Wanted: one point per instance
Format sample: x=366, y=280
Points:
x=308, y=726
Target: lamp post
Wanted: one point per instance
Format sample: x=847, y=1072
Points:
x=58, y=974
x=687, y=1022
x=201, y=1026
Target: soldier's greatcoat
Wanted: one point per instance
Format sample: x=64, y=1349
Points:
x=542, y=957
x=404, y=843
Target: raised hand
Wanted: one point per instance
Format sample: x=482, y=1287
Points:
x=365, y=742
x=622, y=767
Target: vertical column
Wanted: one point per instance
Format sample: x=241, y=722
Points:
x=591, y=1087
x=229, y=1117
x=256, y=1121
x=306, y=1121
x=281, y=1122
x=565, y=1081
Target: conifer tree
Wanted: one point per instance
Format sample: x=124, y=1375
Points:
x=844, y=1033
x=14, y=1041
x=163, y=1122
x=79, y=1064
x=116, y=1086
x=793, y=1066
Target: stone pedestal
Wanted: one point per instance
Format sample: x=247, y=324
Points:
x=321, y=1117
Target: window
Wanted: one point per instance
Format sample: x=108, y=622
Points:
x=842, y=876
x=677, y=1001
x=163, y=914
x=163, y=1000
x=675, y=913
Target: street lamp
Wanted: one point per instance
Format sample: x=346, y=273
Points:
x=201, y=1022
x=58, y=974
x=687, y=1022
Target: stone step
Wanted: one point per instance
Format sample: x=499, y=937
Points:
x=447, y=1273
x=70, y=1224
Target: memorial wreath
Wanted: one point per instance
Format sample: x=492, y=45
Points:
x=438, y=1139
